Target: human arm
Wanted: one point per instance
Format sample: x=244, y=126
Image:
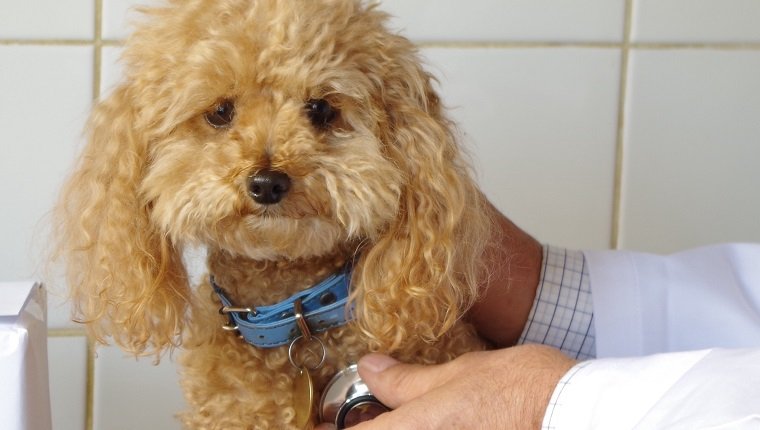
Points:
x=534, y=294
x=514, y=261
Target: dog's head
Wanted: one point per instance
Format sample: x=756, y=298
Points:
x=272, y=129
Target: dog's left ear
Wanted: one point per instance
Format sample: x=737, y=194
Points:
x=424, y=272
x=126, y=278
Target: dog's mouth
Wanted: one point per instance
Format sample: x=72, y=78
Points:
x=281, y=211
x=267, y=212
x=272, y=233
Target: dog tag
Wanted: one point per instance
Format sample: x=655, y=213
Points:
x=303, y=399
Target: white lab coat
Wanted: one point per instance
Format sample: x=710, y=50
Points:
x=689, y=325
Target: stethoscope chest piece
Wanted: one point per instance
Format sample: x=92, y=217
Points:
x=346, y=400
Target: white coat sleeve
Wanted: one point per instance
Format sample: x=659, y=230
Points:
x=703, y=298
x=708, y=389
x=651, y=307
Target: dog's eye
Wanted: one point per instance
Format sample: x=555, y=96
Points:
x=221, y=116
x=320, y=113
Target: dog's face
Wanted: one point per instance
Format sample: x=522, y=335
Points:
x=274, y=130
x=274, y=125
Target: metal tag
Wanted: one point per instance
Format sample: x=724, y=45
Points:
x=303, y=399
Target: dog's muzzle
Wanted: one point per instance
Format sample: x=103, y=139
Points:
x=268, y=187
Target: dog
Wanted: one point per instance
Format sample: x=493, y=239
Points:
x=299, y=142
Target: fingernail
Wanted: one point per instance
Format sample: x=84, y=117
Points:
x=376, y=363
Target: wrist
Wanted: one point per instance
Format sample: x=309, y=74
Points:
x=514, y=260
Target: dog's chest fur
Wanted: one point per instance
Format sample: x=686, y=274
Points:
x=222, y=370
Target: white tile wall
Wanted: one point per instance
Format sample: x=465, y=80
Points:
x=696, y=21
x=135, y=394
x=67, y=358
x=118, y=15
x=47, y=19
x=535, y=86
x=542, y=123
x=693, y=149
x=111, y=69
x=509, y=20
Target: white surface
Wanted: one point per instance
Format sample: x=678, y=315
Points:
x=13, y=295
x=47, y=19
x=67, y=361
x=24, y=393
x=691, y=173
x=500, y=20
x=696, y=21
x=134, y=394
x=542, y=124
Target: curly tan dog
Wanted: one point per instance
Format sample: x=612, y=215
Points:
x=288, y=138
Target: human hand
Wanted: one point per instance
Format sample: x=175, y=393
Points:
x=502, y=389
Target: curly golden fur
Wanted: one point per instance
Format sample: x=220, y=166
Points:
x=385, y=180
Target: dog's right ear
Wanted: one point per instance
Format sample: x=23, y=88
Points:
x=126, y=279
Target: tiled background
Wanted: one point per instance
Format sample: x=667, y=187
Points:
x=594, y=123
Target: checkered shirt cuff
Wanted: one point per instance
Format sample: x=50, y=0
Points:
x=562, y=315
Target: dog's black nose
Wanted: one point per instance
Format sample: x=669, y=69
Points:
x=268, y=186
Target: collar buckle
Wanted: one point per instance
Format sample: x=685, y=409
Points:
x=225, y=310
x=301, y=320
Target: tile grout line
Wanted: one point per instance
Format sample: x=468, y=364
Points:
x=617, y=192
x=96, y=84
x=705, y=46
x=675, y=46
x=90, y=392
x=66, y=332
x=98, y=49
x=513, y=44
x=626, y=44
x=60, y=42
x=45, y=42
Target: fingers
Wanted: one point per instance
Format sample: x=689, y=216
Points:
x=395, y=383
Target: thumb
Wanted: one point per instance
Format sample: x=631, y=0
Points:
x=395, y=383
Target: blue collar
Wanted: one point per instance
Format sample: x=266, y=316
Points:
x=323, y=307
